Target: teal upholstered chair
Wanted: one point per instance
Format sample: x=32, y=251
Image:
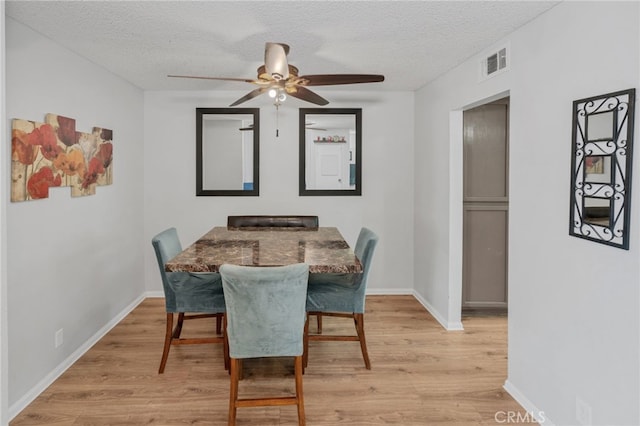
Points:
x=190, y=295
x=265, y=318
x=342, y=295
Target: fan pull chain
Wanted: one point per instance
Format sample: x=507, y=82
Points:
x=277, y=125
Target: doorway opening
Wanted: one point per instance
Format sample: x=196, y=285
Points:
x=485, y=214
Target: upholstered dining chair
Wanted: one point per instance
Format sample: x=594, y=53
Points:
x=190, y=295
x=275, y=221
x=265, y=318
x=342, y=295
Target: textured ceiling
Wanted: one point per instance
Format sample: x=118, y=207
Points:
x=410, y=42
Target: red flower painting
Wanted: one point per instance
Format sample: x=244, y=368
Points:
x=45, y=136
x=39, y=183
x=21, y=148
x=105, y=154
x=95, y=170
x=53, y=153
x=71, y=163
x=67, y=130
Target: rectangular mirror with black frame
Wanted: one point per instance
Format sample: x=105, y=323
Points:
x=602, y=148
x=227, y=151
x=330, y=151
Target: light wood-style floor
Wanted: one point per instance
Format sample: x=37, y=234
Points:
x=421, y=375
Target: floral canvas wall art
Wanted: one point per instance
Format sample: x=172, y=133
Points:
x=53, y=153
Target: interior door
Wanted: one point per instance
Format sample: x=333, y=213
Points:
x=331, y=166
x=486, y=206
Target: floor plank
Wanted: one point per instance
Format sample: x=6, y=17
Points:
x=421, y=374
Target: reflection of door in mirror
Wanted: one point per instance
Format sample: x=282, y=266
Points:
x=329, y=171
x=329, y=165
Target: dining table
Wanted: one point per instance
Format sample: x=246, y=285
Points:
x=324, y=249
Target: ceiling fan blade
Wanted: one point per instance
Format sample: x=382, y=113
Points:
x=275, y=60
x=331, y=79
x=246, y=80
x=250, y=95
x=308, y=96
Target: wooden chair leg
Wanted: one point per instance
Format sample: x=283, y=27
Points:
x=219, y=323
x=359, y=320
x=233, y=393
x=240, y=369
x=225, y=345
x=167, y=342
x=178, y=330
x=305, y=340
x=299, y=393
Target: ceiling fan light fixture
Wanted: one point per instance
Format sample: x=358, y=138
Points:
x=276, y=76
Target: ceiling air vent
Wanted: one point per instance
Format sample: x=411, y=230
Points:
x=494, y=63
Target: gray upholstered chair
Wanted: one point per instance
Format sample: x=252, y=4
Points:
x=191, y=296
x=342, y=295
x=265, y=318
x=275, y=221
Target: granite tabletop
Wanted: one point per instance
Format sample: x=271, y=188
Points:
x=323, y=249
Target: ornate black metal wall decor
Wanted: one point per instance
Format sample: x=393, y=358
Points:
x=601, y=168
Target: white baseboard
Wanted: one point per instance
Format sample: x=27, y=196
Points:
x=538, y=414
x=455, y=326
x=449, y=326
x=28, y=398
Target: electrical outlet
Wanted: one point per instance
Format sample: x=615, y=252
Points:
x=58, y=338
x=583, y=412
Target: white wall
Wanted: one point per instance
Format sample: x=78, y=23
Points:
x=222, y=171
x=386, y=204
x=72, y=263
x=4, y=371
x=574, y=322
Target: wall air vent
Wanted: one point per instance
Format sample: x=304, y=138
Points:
x=494, y=63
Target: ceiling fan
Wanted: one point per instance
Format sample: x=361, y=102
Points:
x=309, y=126
x=278, y=78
